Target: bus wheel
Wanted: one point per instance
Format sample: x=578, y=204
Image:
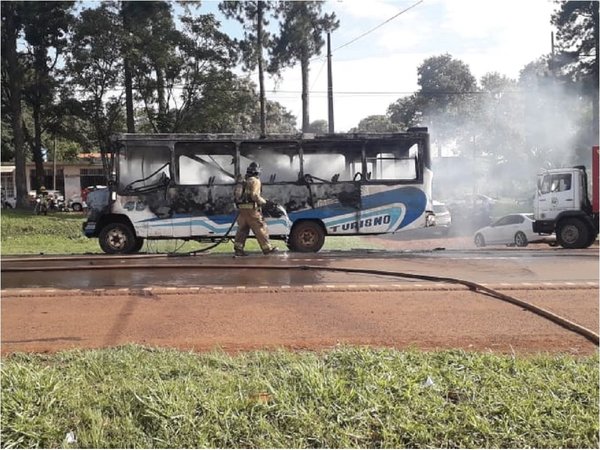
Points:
x=117, y=238
x=139, y=243
x=307, y=237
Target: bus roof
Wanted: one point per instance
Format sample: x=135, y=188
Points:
x=410, y=133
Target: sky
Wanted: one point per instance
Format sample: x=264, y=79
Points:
x=377, y=69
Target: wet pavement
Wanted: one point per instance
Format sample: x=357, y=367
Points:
x=489, y=266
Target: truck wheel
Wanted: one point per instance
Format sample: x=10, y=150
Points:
x=307, y=237
x=117, y=238
x=479, y=240
x=572, y=233
x=521, y=239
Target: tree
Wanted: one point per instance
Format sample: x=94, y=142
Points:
x=405, y=111
x=12, y=79
x=253, y=15
x=46, y=25
x=444, y=102
x=128, y=19
x=301, y=38
x=318, y=127
x=578, y=52
x=376, y=124
x=154, y=57
x=95, y=70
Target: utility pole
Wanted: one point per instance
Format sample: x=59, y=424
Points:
x=329, y=85
x=54, y=166
x=261, y=77
x=595, y=95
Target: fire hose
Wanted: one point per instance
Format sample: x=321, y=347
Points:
x=272, y=209
x=475, y=287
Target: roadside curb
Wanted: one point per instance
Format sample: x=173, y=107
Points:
x=151, y=291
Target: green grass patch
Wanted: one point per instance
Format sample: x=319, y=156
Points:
x=135, y=397
x=61, y=233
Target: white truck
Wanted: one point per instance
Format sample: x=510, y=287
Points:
x=562, y=205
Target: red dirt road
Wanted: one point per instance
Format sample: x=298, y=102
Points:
x=259, y=319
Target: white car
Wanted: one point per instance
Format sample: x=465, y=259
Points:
x=76, y=203
x=513, y=229
x=442, y=215
x=443, y=219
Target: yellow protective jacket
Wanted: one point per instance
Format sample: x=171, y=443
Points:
x=249, y=191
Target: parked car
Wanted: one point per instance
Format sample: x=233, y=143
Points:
x=443, y=219
x=78, y=202
x=471, y=212
x=8, y=202
x=512, y=229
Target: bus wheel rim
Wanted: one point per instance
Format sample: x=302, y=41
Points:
x=116, y=239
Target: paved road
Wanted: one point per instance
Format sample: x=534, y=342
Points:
x=192, y=306
x=494, y=266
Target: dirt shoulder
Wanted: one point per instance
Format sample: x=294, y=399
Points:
x=237, y=321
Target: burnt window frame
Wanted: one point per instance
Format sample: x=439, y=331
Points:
x=233, y=151
x=335, y=147
x=270, y=146
x=408, y=143
x=151, y=146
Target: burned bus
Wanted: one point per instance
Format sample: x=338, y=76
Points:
x=181, y=186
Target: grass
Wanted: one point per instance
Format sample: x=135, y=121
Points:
x=60, y=233
x=345, y=398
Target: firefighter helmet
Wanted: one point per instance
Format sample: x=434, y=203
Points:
x=253, y=169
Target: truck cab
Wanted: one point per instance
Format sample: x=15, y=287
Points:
x=562, y=206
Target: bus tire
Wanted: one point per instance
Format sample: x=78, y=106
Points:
x=306, y=237
x=572, y=233
x=139, y=243
x=117, y=238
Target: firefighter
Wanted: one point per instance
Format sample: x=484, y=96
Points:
x=249, y=201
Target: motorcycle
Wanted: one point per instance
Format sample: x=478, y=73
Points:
x=41, y=205
x=57, y=204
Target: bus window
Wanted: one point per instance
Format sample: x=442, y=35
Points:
x=279, y=162
x=328, y=165
x=389, y=163
x=142, y=167
x=205, y=163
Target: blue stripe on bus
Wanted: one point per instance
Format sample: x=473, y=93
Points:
x=412, y=198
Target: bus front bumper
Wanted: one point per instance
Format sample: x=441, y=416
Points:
x=89, y=229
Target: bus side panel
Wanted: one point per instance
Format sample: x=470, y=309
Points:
x=326, y=202
x=201, y=211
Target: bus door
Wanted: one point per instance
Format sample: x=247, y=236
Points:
x=203, y=201
x=144, y=177
x=388, y=201
x=331, y=175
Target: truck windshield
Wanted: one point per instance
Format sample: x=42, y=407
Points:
x=556, y=183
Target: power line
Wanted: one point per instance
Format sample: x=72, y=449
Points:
x=368, y=32
x=378, y=26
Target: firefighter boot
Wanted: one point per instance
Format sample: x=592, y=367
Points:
x=271, y=251
x=239, y=252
